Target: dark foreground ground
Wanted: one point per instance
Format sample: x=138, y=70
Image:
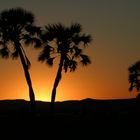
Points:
x=86, y=117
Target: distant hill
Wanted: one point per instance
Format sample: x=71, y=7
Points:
x=80, y=109
x=72, y=117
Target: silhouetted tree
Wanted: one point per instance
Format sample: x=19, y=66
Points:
x=134, y=77
x=17, y=29
x=68, y=44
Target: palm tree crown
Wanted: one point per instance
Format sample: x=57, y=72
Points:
x=16, y=25
x=66, y=42
x=134, y=76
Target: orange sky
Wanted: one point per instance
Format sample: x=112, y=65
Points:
x=115, y=28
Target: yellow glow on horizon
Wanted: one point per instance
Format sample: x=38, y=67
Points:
x=41, y=95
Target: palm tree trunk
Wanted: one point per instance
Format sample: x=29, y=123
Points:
x=28, y=79
x=57, y=80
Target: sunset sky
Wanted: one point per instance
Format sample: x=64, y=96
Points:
x=115, y=28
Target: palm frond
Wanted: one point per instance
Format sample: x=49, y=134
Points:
x=73, y=65
x=86, y=39
x=32, y=40
x=132, y=69
x=75, y=28
x=66, y=64
x=37, y=42
x=138, y=65
x=32, y=29
x=4, y=53
x=131, y=88
x=77, y=51
x=46, y=36
x=15, y=54
x=45, y=54
x=58, y=31
x=70, y=64
x=27, y=39
x=76, y=39
x=132, y=77
x=42, y=57
x=50, y=61
x=85, y=60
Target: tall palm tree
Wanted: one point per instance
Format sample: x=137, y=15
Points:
x=17, y=29
x=67, y=43
x=134, y=76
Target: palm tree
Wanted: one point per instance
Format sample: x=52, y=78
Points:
x=17, y=29
x=67, y=43
x=134, y=76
